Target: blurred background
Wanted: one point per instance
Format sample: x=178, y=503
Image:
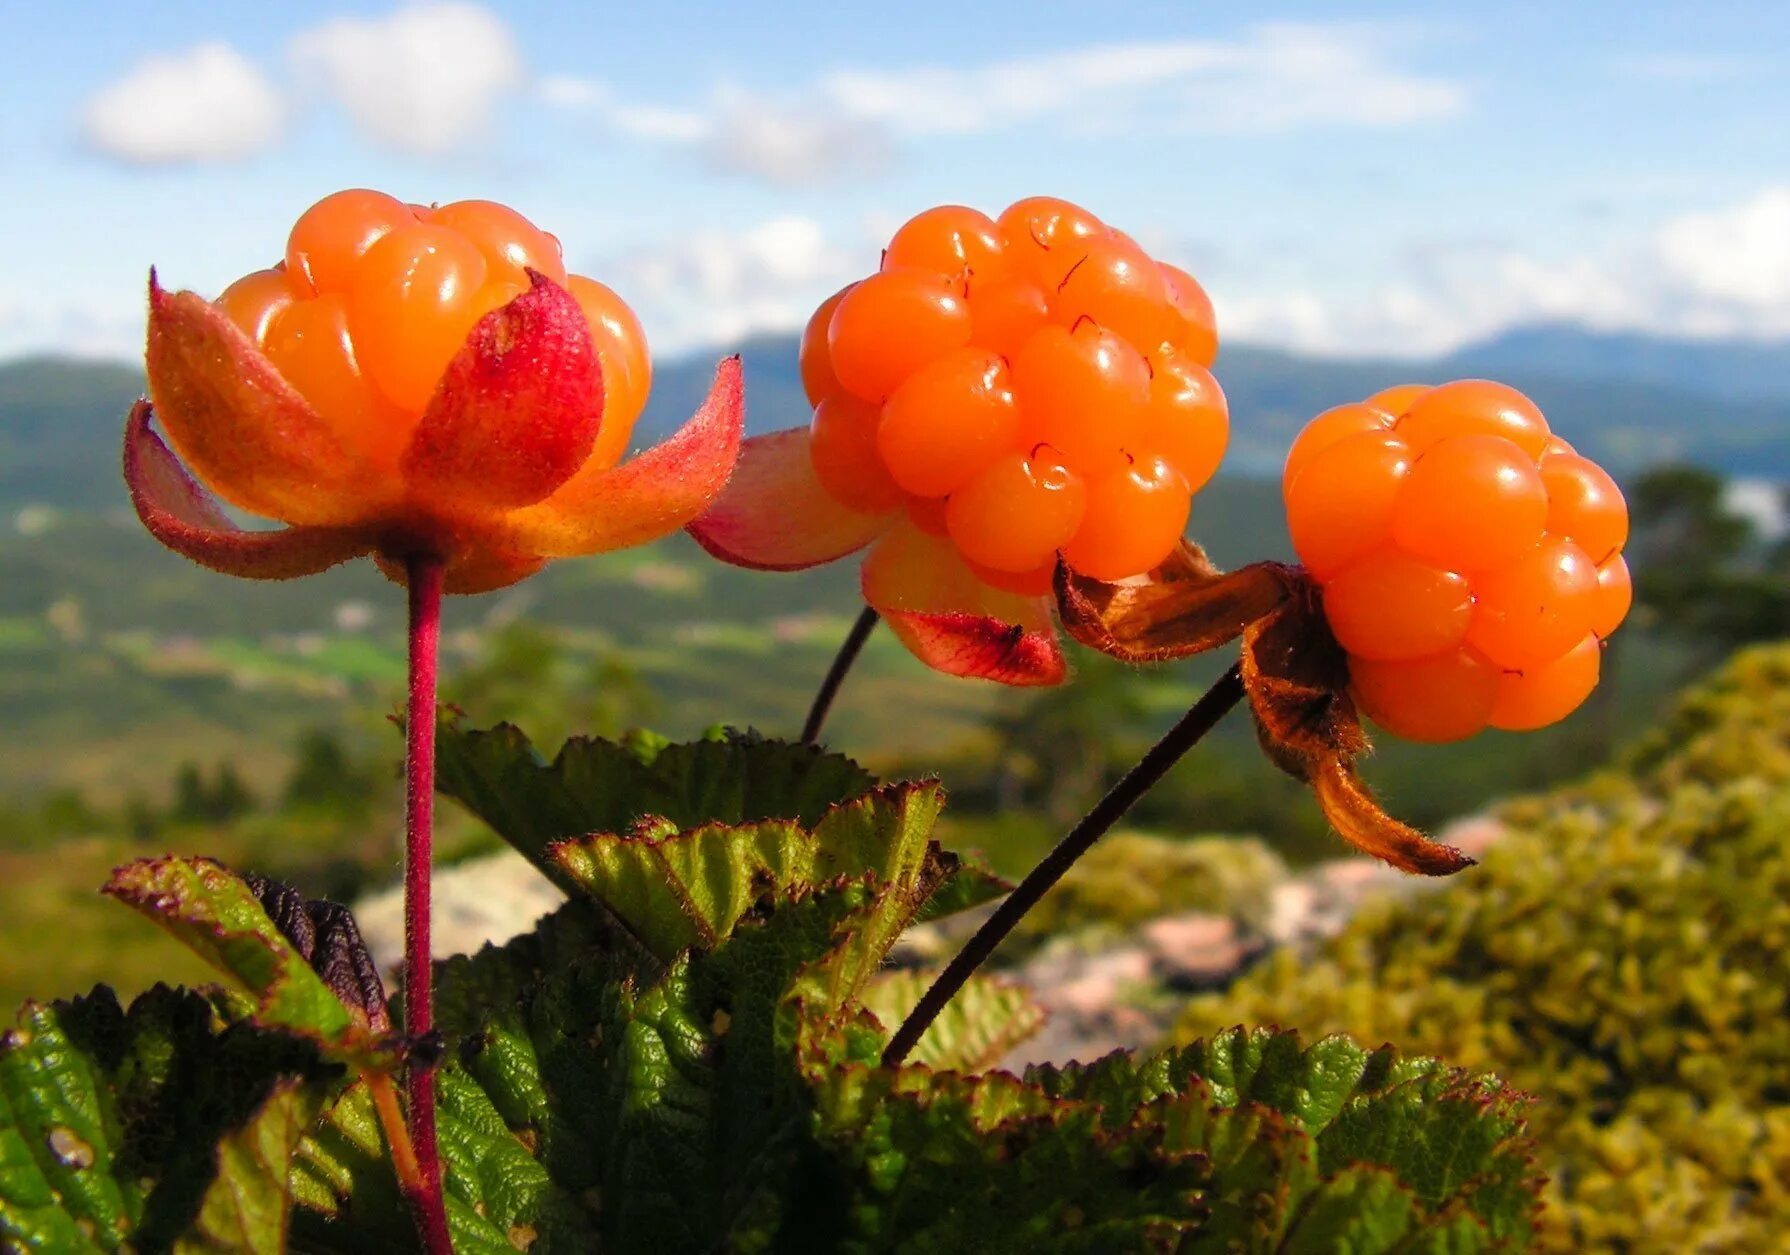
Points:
x=1589, y=201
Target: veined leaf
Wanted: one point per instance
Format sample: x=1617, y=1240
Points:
x=595, y=786
x=978, y=1028
x=681, y=889
x=157, y=1128
x=215, y=913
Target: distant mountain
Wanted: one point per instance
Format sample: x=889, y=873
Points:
x=1631, y=401
x=1740, y=369
x=60, y=423
x=1627, y=424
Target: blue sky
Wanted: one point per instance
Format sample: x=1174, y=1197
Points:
x=1349, y=178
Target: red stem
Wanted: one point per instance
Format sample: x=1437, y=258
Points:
x=424, y=578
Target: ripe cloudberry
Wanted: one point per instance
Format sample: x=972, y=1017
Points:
x=1009, y=389
x=411, y=381
x=1470, y=562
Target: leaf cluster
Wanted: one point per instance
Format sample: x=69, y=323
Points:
x=685, y=1057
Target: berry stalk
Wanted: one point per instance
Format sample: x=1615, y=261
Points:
x=848, y=653
x=424, y=577
x=1201, y=719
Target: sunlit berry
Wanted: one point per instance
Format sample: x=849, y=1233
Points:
x=1043, y=237
x=949, y=240
x=1470, y=503
x=256, y=299
x=1390, y=607
x=816, y=358
x=948, y=421
x=1532, y=609
x=1444, y=697
x=1189, y=419
x=1550, y=692
x=1341, y=505
x=621, y=347
x=1470, y=407
x=330, y=238
x=1395, y=400
x=1004, y=312
x=511, y=244
x=309, y=343
x=1615, y=593
x=411, y=306
x=1195, y=331
x=1016, y=514
x=416, y=383
x=1116, y=285
x=1585, y=504
x=842, y=444
x=890, y=325
x=1463, y=573
x=1333, y=425
x=1134, y=518
x=1085, y=393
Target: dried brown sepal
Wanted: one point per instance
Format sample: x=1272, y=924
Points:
x=1297, y=678
x=1185, y=606
x=328, y=937
x=1358, y=819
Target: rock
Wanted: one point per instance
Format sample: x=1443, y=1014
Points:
x=1197, y=951
x=482, y=900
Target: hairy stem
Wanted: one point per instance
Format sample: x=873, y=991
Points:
x=1205, y=714
x=397, y=1135
x=424, y=578
x=842, y=663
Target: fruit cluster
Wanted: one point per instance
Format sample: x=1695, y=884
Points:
x=1471, y=562
x=374, y=298
x=1027, y=385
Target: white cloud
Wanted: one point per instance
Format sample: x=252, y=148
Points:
x=1278, y=77
x=1681, y=68
x=209, y=103
x=717, y=287
x=426, y=79
x=71, y=324
x=788, y=145
x=1719, y=273
x=1737, y=257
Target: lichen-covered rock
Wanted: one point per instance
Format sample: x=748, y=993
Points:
x=1622, y=953
x=1129, y=878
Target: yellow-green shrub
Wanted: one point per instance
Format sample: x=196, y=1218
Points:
x=1129, y=878
x=1624, y=954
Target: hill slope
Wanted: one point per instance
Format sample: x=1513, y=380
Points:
x=1630, y=401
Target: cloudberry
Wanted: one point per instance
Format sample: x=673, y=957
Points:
x=1042, y=339
x=374, y=297
x=1000, y=395
x=1470, y=562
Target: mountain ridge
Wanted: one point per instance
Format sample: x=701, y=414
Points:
x=1631, y=401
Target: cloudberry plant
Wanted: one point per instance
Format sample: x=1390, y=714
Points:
x=1000, y=392
x=429, y=386
x=1462, y=567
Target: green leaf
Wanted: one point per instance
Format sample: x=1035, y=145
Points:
x=1291, y=1132
x=214, y=913
x=158, y=1128
x=970, y=883
x=681, y=889
x=978, y=1028
x=248, y=1203
x=596, y=786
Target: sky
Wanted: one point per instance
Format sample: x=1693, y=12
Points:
x=1355, y=178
